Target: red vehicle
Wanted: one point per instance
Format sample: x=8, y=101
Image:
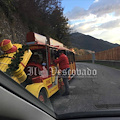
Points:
x=44, y=51
x=38, y=66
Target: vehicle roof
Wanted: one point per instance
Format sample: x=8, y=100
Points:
x=52, y=46
x=37, y=39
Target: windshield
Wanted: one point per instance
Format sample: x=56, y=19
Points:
x=71, y=62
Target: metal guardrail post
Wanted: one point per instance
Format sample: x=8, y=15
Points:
x=93, y=57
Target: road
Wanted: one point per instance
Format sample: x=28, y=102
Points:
x=100, y=91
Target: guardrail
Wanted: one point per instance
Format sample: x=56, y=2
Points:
x=110, y=54
x=109, y=57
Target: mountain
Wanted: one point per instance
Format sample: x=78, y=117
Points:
x=82, y=41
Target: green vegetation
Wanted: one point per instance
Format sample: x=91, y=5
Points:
x=17, y=58
x=45, y=17
x=41, y=16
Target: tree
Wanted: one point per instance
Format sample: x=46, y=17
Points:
x=59, y=25
x=45, y=17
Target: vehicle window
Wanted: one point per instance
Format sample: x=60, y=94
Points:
x=38, y=37
x=52, y=55
x=38, y=56
x=69, y=57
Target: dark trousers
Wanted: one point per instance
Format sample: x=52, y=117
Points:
x=65, y=79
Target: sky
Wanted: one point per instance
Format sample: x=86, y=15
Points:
x=98, y=18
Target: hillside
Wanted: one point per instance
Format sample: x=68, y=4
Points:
x=18, y=17
x=82, y=41
x=15, y=30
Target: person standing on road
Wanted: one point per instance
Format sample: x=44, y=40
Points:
x=64, y=66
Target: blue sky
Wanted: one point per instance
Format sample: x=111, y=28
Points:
x=98, y=18
x=68, y=5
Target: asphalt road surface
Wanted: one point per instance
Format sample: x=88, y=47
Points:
x=96, y=87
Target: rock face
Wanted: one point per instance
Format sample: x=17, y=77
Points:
x=15, y=31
